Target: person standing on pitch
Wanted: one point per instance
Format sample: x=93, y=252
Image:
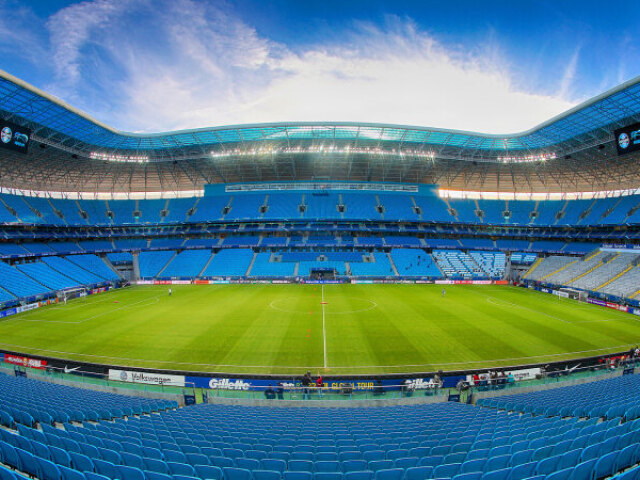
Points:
x=443, y=292
x=169, y=291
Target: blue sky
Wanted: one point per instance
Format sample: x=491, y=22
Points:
x=158, y=65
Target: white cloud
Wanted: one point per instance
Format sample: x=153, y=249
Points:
x=71, y=28
x=202, y=66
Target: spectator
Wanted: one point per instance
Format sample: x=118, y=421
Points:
x=269, y=393
x=306, y=382
x=280, y=391
x=319, y=385
x=378, y=389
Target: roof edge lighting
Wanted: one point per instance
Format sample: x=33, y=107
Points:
x=112, y=157
x=321, y=149
x=465, y=194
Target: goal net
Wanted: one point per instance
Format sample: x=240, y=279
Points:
x=573, y=294
x=65, y=295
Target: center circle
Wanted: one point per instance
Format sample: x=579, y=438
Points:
x=281, y=306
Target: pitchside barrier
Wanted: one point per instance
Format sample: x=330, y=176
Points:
x=202, y=386
x=385, y=280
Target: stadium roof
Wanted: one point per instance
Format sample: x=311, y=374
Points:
x=573, y=151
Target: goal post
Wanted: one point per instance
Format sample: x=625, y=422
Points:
x=71, y=293
x=573, y=294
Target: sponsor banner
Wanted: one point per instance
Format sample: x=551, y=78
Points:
x=518, y=375
x=560, y=293
x=280, y=281
x=25, y=361
x=219, y=282
x=329, y=384
x=201, y=282
x=144, y=282
x=429, y=382
x=501, y=282
x=525, y=373
x=615, y=306
x=597, y=301
x=172, y=282
x=635, y=311
x=75, y=368
x=444, y=282
x=8, y=312
x=363, y=282
x=150, y=378
x=322, y=281
x=621, y=246
x=30, y=306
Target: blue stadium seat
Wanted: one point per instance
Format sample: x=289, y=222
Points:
x=297, y=475
x=363, y=475
x=71, y=474
x=151, y=475
x=273, y=464
x=176, y=468
x=584, y=470
x=209, y=472
x=389, y=474
x=266, y=475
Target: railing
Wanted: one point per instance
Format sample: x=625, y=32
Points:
x=347, y=392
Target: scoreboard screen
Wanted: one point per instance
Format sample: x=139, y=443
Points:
x=14, y=137
x=628, y=139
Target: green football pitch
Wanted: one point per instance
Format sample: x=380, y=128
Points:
x=332, y=329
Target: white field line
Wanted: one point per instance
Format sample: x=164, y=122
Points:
x=356, y=367
x=324, y=331
x=21, y=319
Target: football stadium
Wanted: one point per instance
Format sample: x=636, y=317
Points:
x=319, y=300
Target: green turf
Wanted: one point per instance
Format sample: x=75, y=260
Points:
x=279, y=328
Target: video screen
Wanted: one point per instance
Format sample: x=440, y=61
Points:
x=14, y=137
x=628, y=139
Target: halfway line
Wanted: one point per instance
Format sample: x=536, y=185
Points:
x=324, y=331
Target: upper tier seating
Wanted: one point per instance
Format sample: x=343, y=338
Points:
x=245, y=207
x=283, y=206
x=286, y=206
x=322, y=205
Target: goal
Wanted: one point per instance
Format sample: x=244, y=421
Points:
x=70, y=294
x=573, y=294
